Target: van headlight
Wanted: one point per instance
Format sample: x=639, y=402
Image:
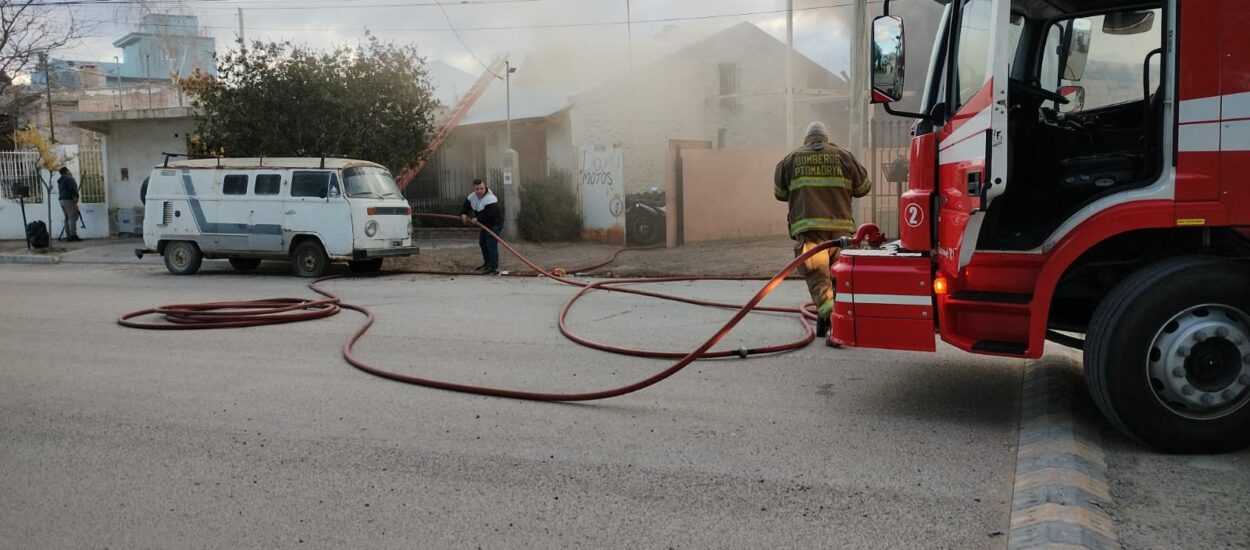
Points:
x=371, y=228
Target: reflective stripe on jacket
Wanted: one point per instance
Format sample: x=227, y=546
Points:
x=818, y=180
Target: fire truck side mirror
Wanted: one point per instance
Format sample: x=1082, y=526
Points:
x=1128, y=22
x=1075, y=53
x=1076, y=99
x=887, y=59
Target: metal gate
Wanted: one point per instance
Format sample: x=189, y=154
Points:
x=20, y=168
x=91, y=179
x=888, y=163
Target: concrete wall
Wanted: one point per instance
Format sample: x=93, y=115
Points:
x=137, y=146
x=94, y=215
x=728, y=193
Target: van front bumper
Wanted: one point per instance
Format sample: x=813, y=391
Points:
x=366, y=253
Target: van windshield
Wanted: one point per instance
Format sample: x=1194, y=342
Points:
x=367, y=181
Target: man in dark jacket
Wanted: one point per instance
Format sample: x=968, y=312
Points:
x=482, y=206
x=67, y=189
x=818, y=180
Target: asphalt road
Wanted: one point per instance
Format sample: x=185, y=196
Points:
x=265, y=437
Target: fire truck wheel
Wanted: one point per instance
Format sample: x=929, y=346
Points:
x=1167, y=357
x=309, y=259
x=183, y=257
x=245, y=264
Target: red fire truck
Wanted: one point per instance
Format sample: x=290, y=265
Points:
x=1080, y=172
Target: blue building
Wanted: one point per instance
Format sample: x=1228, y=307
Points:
x=165, y=44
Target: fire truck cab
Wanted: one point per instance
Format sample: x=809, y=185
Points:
x=1080, y=172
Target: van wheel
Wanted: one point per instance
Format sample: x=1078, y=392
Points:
x=1167, y=358
x=366, y=266
x=309, y=259
x=183, y=257
x=245, y=264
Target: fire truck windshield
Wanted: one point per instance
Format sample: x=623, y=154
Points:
x=1113, y=65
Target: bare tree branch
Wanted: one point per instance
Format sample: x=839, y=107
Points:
x=29, y=30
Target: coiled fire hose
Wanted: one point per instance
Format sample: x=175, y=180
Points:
x=234, y=314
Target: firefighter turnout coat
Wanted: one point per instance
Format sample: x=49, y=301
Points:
x=818, y=180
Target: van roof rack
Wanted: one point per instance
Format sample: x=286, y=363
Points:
x=167, y=155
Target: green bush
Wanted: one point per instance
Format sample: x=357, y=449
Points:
x=549, y=210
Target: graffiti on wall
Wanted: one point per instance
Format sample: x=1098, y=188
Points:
x=601, y=184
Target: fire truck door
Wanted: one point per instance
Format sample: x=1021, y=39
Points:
x=972, y=149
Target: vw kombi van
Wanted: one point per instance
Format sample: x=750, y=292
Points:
x=311, y=211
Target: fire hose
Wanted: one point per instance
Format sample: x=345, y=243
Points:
x=236, y=314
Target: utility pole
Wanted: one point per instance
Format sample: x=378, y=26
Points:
x=507, y=85
x=118, y=90
x=47, y=81
x=511, y=164
x=859, y=78
x=147, y=69
x=789, y=74
x=242, y=41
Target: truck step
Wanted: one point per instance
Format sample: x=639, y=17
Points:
x=995, y=297
x=1001, y=347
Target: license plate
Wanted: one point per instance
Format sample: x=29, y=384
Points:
x=397, y=243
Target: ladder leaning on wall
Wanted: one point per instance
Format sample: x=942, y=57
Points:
x=451, y=119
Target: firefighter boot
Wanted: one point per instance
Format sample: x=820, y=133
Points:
x=822, y=327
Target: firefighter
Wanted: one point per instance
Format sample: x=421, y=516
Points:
x=818, y=180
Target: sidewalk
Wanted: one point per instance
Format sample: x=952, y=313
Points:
x=14, y=251
x=456, y=250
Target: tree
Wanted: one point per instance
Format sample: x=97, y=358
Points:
x=30, y=138
x=372, y=102
x=28, y=30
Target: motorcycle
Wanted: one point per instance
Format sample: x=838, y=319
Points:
x=645, y=218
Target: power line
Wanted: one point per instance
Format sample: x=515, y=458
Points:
x=462, y=43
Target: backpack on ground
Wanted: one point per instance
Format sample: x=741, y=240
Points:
x=37, y=234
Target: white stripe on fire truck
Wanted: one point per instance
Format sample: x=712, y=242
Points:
x=966, y=150
x=976, y=125
x=1236, y=136
x=1196, y=138
x=1199, y=110
x=1236, y=106
x=884, y=299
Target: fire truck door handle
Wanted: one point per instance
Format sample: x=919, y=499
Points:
x=974, y=183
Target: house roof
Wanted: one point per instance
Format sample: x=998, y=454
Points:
x=529, y=102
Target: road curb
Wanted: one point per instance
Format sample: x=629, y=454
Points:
x=29, y=259
x=1061, y=497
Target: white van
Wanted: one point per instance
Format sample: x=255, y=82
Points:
x=311, y=211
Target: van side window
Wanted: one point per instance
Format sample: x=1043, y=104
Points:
x=234, y=184
x=309, y=184
x=268, y=184
x=335, y=191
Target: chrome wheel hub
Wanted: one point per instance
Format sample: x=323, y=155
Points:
x=1199, y=362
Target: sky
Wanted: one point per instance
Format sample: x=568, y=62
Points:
x=570, y=43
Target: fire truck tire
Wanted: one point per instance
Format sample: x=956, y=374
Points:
x=309, y=259
x=1167, y=355
x=245, y=264
x=183, y=257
